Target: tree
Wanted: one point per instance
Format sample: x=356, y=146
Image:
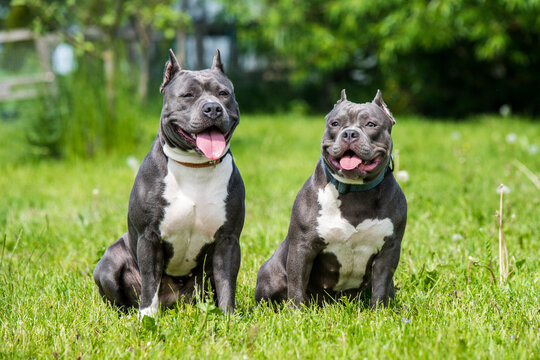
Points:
x=318, y=39
x=94, y=27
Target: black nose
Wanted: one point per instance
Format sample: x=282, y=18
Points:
x=213, y=110
x=350, y=135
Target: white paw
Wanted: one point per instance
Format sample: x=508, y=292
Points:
x=152, y=309
x=149, y=311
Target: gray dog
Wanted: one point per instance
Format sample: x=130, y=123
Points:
x=186, y=208
x=348, y=219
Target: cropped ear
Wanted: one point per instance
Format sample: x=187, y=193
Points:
x=343, y=98
x=216, y=63
x=378, y=100
x=171, y=68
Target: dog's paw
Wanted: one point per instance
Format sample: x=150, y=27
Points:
x=149, y=311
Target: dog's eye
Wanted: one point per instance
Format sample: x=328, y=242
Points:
x=187, y=95
x=370, y=124
x=223, y=93
x=334, y=124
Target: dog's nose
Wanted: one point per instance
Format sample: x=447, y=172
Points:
x=350, y=135
x=213, y=110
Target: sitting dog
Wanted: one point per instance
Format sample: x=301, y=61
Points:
x=348, y=219
x=186, y=208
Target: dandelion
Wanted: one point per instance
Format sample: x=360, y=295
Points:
x=533, y=149
x=511, y=138
x=505, y=189
x=505, y=110
x=95, y=192
x=402, y=175
x=456, y=135
x=457, y=237
x=132, y=163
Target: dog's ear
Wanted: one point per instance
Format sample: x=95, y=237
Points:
x=171, y=68
x=343, y=97
x=378, y=100
x=216, y=63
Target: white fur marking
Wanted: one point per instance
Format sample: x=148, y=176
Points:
x=353, y=246
x=152, y=309
x=196, y=210
x=347, y=181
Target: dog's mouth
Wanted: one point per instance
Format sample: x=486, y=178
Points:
x=350, y=161
x=210, y=142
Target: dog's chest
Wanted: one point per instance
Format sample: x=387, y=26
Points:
x=196, y=210
x=352, y=245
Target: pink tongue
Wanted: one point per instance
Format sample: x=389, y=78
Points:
x=212, y=143
x=350, y=162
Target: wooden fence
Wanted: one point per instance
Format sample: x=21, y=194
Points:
x=27, y=86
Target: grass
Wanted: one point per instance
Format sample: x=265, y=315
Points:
x=56, y=218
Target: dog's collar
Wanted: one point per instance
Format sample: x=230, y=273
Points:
x=201, y=165
x=343, y=188
x=191, y=159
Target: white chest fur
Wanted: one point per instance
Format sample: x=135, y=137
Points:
x=196, y=210
x=353, y=246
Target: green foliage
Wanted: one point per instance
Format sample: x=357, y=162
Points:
x=95, y=109
x=75, y=17
x=75, y=121
x=45, y=126
x=55, y=217
x=327, y=35
x=447, y=48
x=162, y=15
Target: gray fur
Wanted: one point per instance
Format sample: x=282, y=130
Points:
x=300, y=269
x=134, y=266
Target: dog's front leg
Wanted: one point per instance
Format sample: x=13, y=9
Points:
x=226, y=262
x=150, y=260
x=300, y=259
x=384, y=266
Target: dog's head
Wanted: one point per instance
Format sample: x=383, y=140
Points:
x=199, y=110
x=356, y=143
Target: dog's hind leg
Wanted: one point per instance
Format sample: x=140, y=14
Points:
x=117, y=276
x=272, y=278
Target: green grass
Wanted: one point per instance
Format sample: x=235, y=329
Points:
x=56, y=217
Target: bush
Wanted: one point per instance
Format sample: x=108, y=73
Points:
x=76, y=120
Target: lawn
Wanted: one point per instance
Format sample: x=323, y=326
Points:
x=56, y=218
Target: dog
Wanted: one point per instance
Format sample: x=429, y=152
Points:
x=186, y=207
x=347, y=221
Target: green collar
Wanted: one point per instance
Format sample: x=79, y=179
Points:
x=343, y=188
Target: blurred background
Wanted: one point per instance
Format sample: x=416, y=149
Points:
x=82, y=74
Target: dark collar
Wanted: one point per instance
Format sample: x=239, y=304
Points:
x=343, y=188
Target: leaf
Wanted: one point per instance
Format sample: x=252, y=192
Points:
x=209, y=308
x=149, y=323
